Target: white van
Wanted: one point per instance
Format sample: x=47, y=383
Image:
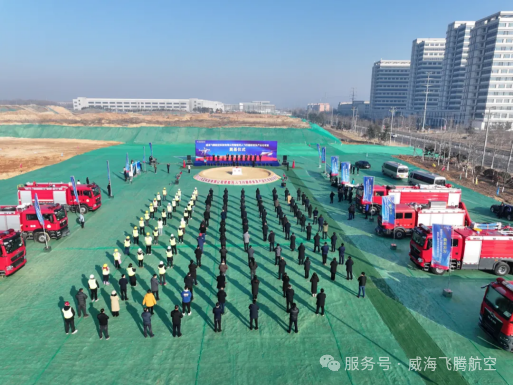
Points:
x=424, y=177
x=395, y=170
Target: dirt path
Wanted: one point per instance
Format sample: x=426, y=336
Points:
x=18, y=156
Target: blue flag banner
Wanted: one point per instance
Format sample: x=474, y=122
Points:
x=108, y=172
x=319, y=151
x=151, y=149
x=38, y=212
x=127, y=165
x=334, y=161
x=345, y=172
x=368, y=189
x=323, y=154
x=388, y=210
x=441, y=246
x=75, y=189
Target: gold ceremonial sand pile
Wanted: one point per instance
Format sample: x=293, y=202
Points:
x=223, y=175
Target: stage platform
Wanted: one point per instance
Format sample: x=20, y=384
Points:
x=266, y=163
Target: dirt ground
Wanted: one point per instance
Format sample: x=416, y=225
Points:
x=18, y=156
x=61, y=116
x=485, y=186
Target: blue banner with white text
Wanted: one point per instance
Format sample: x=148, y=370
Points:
x=334, y=162
x=323, y=154
x=388, y=210
x=441, y=246
x=345, y=172
x=368, y=189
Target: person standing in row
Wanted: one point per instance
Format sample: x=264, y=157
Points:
x=173, y=244
x=271, y=240
x=135, y=235
x=278, y=253
x=115, y=304
x=81, y=300
x=332, y=197
x=154, y=286
x=93, y=288
x=293, y=318
x=254, y=315
x=301, y=254
x=69, y=318
x=307, y=267
x=333, y=241
x=163, y=218
x=198, y=255
x=314, y=284
x=255, y=287
x=253, y=267
x=320, y=302
x=105, y=274
x=176, y=319
x=349, y=268
x=222, y=298
x=341, y=250
x=309, y=231
x=351, y=212
x=117, y=259
x=189, y=282
x=192, y=270
x=246, y=240
x=147, y=323
x=186, y=301
x=131, y=271
x=325, y=230
x=289, y=297
x=292, y=242
x=324, y=253
x=103, y=320
x=362, y=285
x=333, y=269
x=281, y=267
x=169, y=257
x=126, y=244
x=217, y=311
x=317, y=242
x=123, y=282
x=148, y=243
x=140, y=258
x=149, y=301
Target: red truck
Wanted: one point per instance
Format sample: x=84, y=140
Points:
x=421, y=194
x=410, y=216
x=496, y=312
x=90, y=197
x=12, y=252
x=23, y=218
x=471, y=249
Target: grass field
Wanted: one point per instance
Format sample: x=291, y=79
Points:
x=403, y=316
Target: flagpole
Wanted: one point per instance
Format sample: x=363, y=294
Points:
x=109, y=179
x=144, y=157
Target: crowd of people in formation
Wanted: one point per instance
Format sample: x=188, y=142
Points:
x=162, y=209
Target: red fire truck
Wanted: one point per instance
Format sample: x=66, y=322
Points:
x=410, y=216
x=496, y=312
x=471, y=249
x=421, y=194
x=23, y=218
x=90, y=198
x=12, y=252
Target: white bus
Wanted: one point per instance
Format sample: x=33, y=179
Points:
x=395, y=170
x=424, y=177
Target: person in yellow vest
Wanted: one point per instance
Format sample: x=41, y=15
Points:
x=163, y=217
x=141, y=225
x=149, y=300
x=155, y=236
x=148, y=243
x=135, y=236
x=131, y=272
x=174, y=204
x=69, y=318
x=93, y=288
x=159, y=228
x=182, y=223
x=179, y=193
x=169, y=256
x=177, y=201
x=190, y=209
x=173, y=244
x=105, y=274
x=180, y=235
x=147, y=218
x=158, y=197
x=194, y=198
x=164, y=193
x=162, y=273
x=151, y=209
x=140, y=258
x=186, y=216
x=169, y=209
x=117, y=258
x=126, y=244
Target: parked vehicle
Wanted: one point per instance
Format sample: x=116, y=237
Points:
x=90, y=196
x=496, y=312
x=408, y=217
x=471, y=249
x=362, y=164
x=12, y=252
x=395, y=170
x=424, y=177
x=23, y=218
x=502, y=211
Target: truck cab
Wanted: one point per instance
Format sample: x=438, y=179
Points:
x=378, y=193
x=12, y=252
x=496, y=312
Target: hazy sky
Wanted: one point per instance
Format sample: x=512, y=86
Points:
x=288, y=52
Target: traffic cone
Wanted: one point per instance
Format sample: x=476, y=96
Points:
x=184, y=164
x=293, y=163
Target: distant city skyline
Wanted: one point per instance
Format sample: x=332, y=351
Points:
x=289, y=53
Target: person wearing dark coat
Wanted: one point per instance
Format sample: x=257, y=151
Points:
x=123, y=282
x=333, y=240
x=278, y=253
x=307, y=267
x=223, y=254
x=349, y=268
x=223, y=241
x=292, y=244
x=198, y=255
x=332, y=197
x=362, y=285
x=333, y=269
x=289, y=297
x=250, y=252
x=301, y=254
x=222, y=298
x=281, y=267
x=254, y=315
x=192, y=269
x=309, y=211
x=315, y=215
x=221, y=280
x=314, y=284
x=287, y=227
x=217, y=311
x=317, y=242
x=293, y=318
x=320, y=302
x=265, y=231
x=253, y=267
x=341, y=250
x=309, y=231
x=81, y=300
x=324, y=253
x=302, y=222
x=189, y=282
x=255, y=287
x=321, y=220
x=176, y=319
x=285, y=284
x=271, y=240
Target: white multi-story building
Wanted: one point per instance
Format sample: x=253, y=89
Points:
x=389, y=84
x=454, y=65
x=123, y=105
x=359, y=108
x=487, y=93
x=261, y=107
x=425, y=67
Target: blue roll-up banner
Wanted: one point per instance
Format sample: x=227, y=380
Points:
x=441, y=246
x=127, y=165
x=388, y=210
x=334, y=162
x=345, y=172
x=38, y=212
x=75, y=189
x=368, y=189
x=319, y=151
x=151, y=149
x=323, y=154
x=108, y=172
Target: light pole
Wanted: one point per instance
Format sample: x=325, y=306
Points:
x=393, y=110
x=426, y=101
x=486, y=134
